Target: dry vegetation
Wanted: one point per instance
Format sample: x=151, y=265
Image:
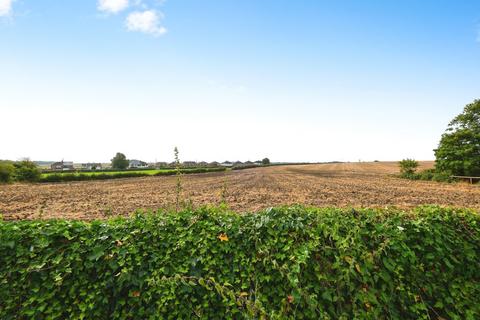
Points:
x=341, y=184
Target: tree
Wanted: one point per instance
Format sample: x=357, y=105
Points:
x=119, y=162
x=265, y=161
x=26, y=170
x=458, y=152
x=408, y=167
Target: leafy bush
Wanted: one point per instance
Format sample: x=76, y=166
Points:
x=442, y=177
x=427, y=174
x=289, y=263
x=7, y=171
x=26, y=171
x=408, y=167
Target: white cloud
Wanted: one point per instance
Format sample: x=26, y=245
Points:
x=5, y=7
x=111, y=6
x=145, y=21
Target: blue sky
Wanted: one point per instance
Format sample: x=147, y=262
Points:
x=234, y=79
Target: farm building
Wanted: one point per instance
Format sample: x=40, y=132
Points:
x=62, y=166
x=91, y=166
x=138, y=164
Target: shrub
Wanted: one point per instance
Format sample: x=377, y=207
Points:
x=26, y=171
x=427, y=174
x=7, y=171
x=289, y=263
x=408, y=167
x=442, y=177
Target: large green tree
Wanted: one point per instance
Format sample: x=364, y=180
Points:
x=459, y=150
x=120, y=161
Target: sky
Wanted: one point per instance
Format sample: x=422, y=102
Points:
x=306, y=80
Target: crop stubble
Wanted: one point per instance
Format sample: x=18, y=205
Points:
x=325, y=185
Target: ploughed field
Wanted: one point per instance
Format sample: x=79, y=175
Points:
x=324, y=185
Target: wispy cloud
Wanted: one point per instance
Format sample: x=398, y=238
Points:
x=144, y=19
x=148, y=21
x=5, y=7
x=111, y=6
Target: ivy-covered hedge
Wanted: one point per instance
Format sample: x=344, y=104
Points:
x=286, y=263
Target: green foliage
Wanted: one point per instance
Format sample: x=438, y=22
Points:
x=23, y=171
x=408, y=167
x=287, y=263
x=459, y=150
x=442, y=177
x=427, y=174
x=265, y=161
x=120, y=161
x=86, y=176
x=26, y=171
x=7, y=171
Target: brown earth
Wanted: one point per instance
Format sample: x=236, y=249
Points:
x=339, y=184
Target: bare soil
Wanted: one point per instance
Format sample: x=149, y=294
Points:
x=324, y=185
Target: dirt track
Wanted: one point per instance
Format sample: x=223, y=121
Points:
x=342, y=184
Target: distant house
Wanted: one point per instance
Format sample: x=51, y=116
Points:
x=91, y=166
x=62, y=166
x=189, y=164
x=214, y=164
x=203, y=164
x=226, y=164
x=137, y=164
x=161, y=164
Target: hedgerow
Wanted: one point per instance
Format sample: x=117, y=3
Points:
x=65, y=177
x=285, y=263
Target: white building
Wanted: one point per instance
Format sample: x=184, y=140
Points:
x=137, y=164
